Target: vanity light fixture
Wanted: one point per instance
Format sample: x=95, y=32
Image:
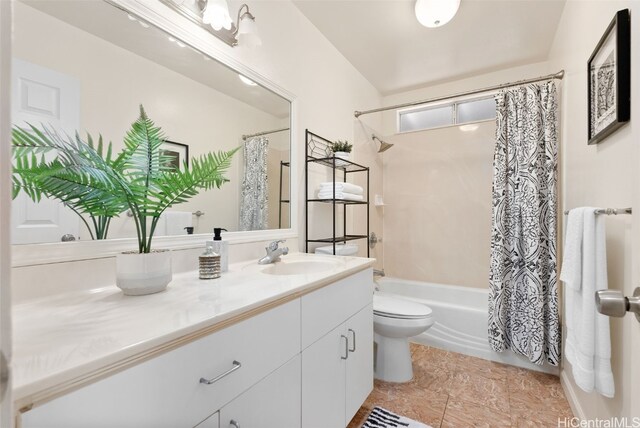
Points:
x=436, y=13
x=247, y=81
x=214, y=16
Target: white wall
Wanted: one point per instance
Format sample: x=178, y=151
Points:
x=601, y=175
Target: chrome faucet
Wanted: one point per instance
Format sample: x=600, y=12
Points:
x=273, y=253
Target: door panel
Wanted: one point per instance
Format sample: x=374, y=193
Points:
x=43, y=96
x=6, y=419
x=323, y=371
x=273, y=403
x=359, y=376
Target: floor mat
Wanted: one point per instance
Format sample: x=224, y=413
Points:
x=383, y=418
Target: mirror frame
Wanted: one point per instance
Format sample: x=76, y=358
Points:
x=169, y=21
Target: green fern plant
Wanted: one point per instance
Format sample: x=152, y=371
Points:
x=90, y=180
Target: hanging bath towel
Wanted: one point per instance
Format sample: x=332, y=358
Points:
x=523, y=295
x=584, y=271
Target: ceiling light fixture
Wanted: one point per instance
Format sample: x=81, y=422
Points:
x=214, y=16
x=436, y=13
x=470, y=127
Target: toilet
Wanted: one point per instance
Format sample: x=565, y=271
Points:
x=395, y=320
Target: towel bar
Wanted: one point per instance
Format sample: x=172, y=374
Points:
x=609, y=211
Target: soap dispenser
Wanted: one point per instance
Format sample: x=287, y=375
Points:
x=221, y=247
x=209, y=263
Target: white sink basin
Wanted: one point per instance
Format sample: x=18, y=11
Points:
x=301, y=267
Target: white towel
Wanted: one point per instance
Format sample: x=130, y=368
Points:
x=341, y=187
x=588, y=343
x=340, y=195
x=572, y=259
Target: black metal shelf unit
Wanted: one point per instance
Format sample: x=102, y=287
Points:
x=318, y=151
x=281, y=200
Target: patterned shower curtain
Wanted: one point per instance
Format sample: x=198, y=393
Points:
x=523, y=297
x=254, y=197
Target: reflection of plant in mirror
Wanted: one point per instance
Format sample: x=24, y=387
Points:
x=78, y=176
x=341, y=146
x=139, y=178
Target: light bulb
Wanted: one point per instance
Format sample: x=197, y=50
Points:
x=436, y=13
x=216, y=14
x=248, y=32
x=247, y=81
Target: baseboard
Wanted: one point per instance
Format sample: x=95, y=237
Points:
x=569, y=392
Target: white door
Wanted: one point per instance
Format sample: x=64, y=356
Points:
x=359, y=373
x=43, y=96
x=6, y=419
x=323, y=371
x=272, y=403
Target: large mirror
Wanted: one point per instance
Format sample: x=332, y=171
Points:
x=76, y=70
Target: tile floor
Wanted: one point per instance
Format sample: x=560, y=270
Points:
x=451, y=390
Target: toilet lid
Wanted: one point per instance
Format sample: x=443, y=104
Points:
x=394, y=307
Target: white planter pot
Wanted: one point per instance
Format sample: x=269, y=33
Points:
x=139, y=274
x=342, y=155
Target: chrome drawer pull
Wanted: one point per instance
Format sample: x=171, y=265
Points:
x=236, y=366
x=234, y=424
x=346, y=347
x=354, y=341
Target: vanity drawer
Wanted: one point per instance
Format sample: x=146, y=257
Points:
x=325, y=309
x=166, y=391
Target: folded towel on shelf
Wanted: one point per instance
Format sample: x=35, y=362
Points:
x=340, y=195
x=341, y=187
x=588, y=343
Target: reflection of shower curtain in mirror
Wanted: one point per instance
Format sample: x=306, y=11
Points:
x=254, y=197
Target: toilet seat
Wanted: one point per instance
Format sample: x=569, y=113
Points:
x=391, y=307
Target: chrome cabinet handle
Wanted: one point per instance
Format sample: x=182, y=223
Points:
x=354, y=341
x=234, y=424
x=236, y=366
x=346, y=347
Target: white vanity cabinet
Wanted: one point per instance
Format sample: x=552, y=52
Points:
x=307, y=362
x=337, y=364
x=167, y=391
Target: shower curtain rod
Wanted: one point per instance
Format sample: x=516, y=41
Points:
x=558, y=75
x=257, y=134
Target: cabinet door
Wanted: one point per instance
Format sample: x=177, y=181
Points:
x=212, y=421
x=323, y=371
x=359, y=372
x=274, y=402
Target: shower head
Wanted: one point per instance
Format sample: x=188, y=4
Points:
x=383, y=146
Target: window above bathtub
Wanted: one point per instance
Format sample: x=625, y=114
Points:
x=450, y=113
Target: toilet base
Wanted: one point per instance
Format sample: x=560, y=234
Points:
x=392, y=359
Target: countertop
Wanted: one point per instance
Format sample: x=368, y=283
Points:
x=72, y=339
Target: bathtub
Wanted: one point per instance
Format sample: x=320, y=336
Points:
x=461, y=316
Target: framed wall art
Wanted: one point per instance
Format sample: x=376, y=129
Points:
x=609, y=80
x=177, y=153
